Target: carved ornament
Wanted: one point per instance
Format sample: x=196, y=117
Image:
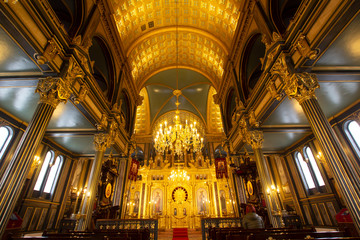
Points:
x=101, y=141
x=271, y=87
x=303, y=47
x=281, y=67
x=301, y=86
x=82, y=94
x=255, y=138
x=103, y=122
x=53, y=91
x=139, y=100
x=252, y=119
x=51, y=50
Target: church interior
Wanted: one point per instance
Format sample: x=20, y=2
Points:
x=178, y=114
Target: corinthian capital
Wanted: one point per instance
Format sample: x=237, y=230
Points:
x=255, y=138
x=53, y=91
x=101, y=141
x=301, y=86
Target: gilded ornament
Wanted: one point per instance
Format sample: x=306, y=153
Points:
x=82, y=94
x=52, y=91
x=51, y=50
x=255, y=138
x=101, y=141
x=303, y=47
x=301, y=86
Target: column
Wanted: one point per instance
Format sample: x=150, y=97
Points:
x=52, y=91
x=255, y=139
x=101, y=142
x=301, y=86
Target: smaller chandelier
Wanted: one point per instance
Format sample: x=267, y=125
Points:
x=179, y=175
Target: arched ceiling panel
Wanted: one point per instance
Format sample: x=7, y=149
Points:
x=171, y=49
x=135, y=17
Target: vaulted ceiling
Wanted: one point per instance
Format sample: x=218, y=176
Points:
x=195, y=34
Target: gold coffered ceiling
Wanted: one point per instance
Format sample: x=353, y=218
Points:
x=205, y=31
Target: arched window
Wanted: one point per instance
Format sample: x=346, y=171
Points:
x=6, y=134
x=48, y=175
x=305, y=170
x=310, y=170
x=314, y=166
x=352, y=130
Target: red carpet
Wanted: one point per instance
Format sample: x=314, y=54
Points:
x=180, y=234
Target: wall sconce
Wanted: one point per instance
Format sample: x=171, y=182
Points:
x=36, y=162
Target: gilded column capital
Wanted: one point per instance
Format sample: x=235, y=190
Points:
x=53, y=91
x=101, y=141
x=255, y=138
x=301, y=86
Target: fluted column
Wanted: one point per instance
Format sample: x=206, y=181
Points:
x=101, y=142
x=52, y=91
x=255, y=138
x=301, y=86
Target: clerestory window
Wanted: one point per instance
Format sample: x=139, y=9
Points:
x=352, y=129
x=6, y=134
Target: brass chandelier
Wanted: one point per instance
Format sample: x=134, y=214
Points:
x=179, y=176
x=177, y=138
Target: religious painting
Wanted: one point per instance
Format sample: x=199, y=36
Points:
x=136, y=203
x=202, y=200
x=220, y=168
x=134, y=167
x=157, y=198
x=223, y=202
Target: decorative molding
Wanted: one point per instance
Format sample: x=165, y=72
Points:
x=254, y=138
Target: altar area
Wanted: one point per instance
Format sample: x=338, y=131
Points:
x=182, y=201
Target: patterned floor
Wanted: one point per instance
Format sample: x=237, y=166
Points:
x=167, y=235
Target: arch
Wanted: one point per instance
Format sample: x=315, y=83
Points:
x=70, y=14
x=282, y=12
x=352, y=131
x=250, y=67
x=103, y=66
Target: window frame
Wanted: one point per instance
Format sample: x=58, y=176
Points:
x=5, y=146
x=305, y=158
x=349, y=136
x=40, y=192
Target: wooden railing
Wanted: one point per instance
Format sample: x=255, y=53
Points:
x=206, y=223
x=114, y=224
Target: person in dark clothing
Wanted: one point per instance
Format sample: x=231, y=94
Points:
x=251, y=220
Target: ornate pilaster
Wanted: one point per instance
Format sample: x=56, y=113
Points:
x=52, y=91
x=302, y=86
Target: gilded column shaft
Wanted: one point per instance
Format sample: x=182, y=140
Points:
x=335, y=156
x=15, y=174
